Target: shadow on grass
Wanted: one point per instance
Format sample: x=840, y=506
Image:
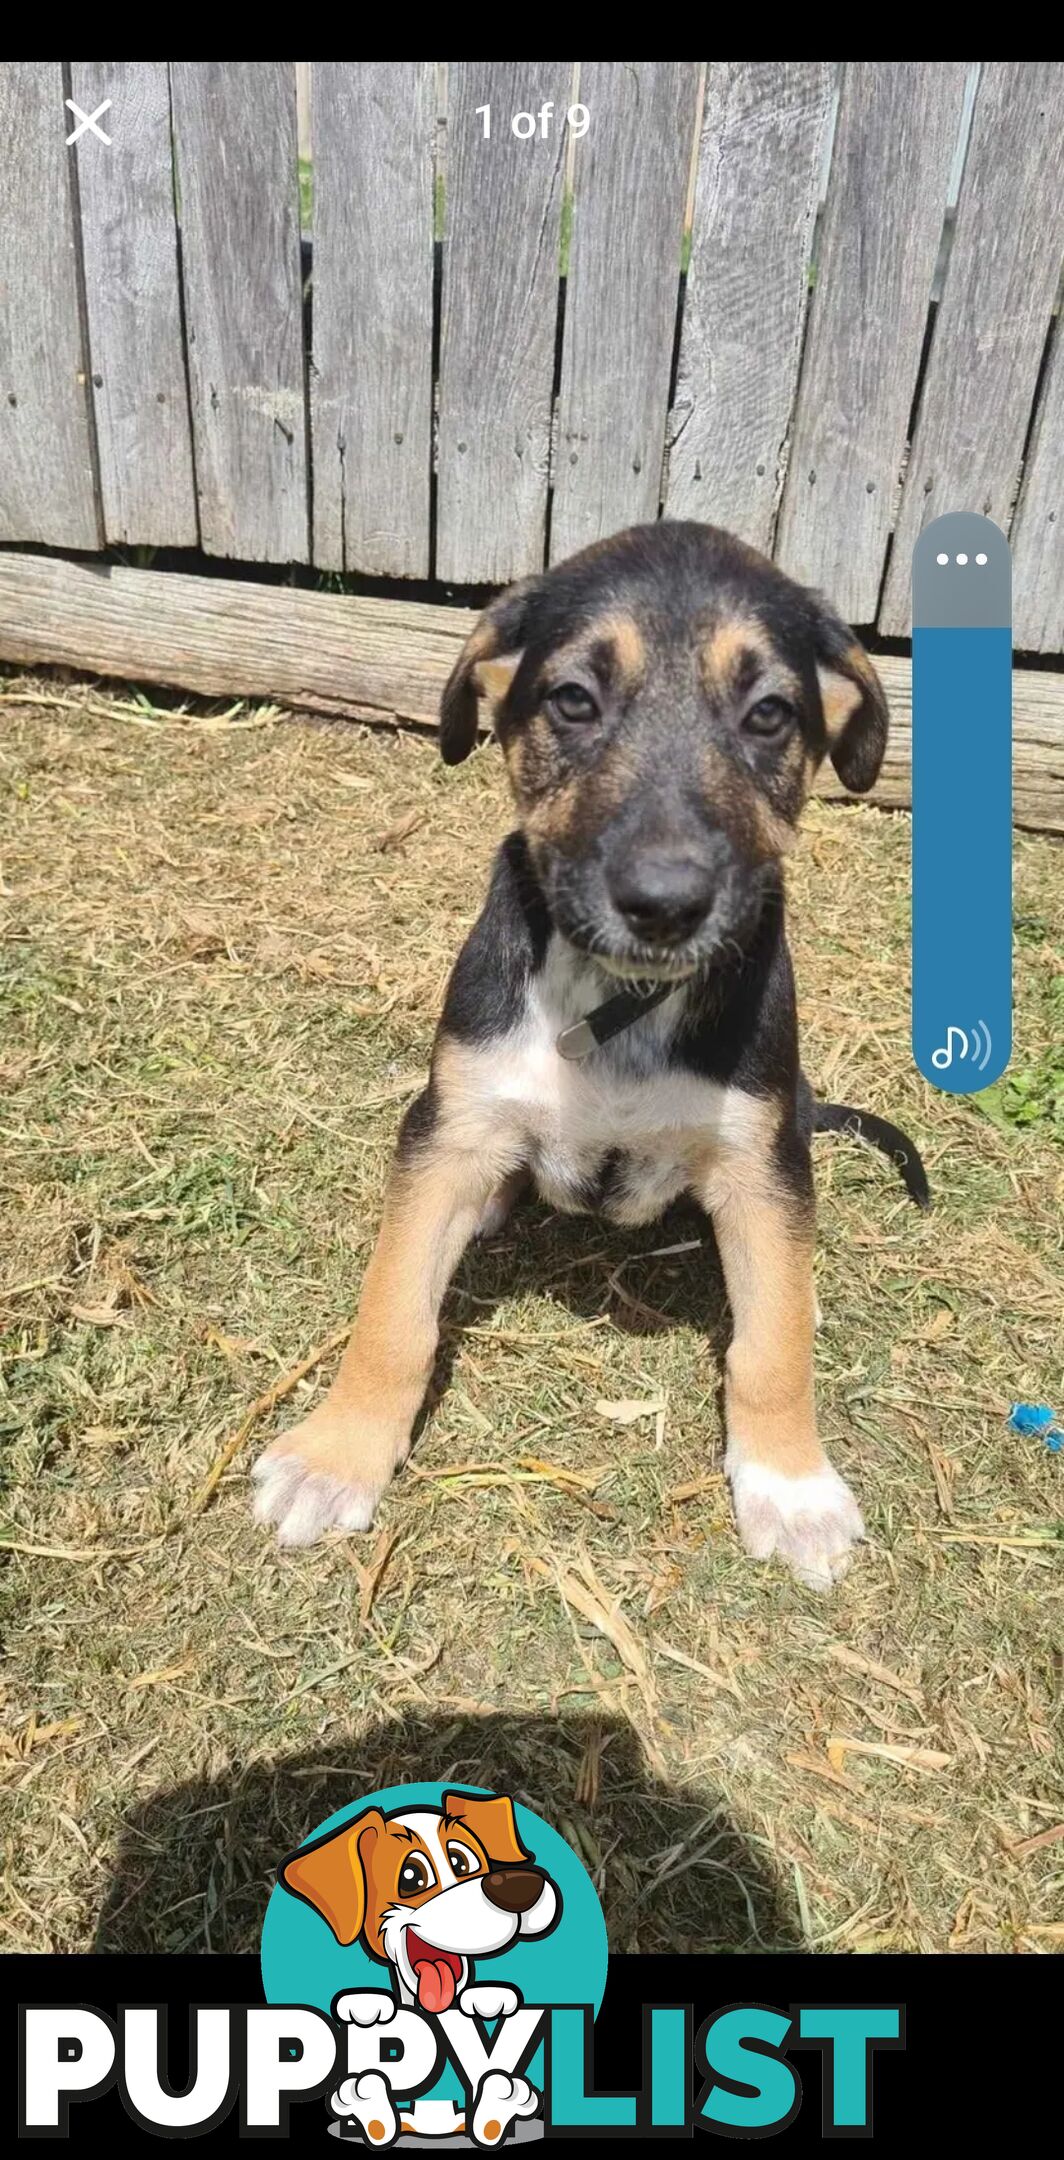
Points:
x=195, y=1864
x=589, y=1267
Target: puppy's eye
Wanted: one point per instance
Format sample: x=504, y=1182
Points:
x=462, y=1860
x=415, y=1875
x=572, y=702
x=770, y=716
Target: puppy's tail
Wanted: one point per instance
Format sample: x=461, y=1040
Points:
x=863, y=1125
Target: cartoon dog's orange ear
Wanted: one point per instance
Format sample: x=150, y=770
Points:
x=492, y=1822
x=331, y=1875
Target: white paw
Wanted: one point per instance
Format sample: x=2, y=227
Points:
x=365, y=2007
x=365, y=2099
x=489, y=2001
x=303, y=1503
x=500, y=2100
x=811, y=1523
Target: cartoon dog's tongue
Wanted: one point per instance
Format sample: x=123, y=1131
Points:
x=437, y=1973
x=435, y=1985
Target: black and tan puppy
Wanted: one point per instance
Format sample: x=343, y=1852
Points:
x=663, y=701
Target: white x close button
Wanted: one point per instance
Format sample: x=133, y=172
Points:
x=87, y=120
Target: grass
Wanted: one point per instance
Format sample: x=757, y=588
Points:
x=306, y=193
x=1032, y=1094
x=224, y=946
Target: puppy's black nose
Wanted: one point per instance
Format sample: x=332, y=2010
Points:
x=513, y=1889
x=664, y=893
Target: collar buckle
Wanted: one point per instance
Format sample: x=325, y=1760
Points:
x=608, y=1019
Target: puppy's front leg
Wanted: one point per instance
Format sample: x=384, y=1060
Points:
x=331, y=1470
x=788, y=1499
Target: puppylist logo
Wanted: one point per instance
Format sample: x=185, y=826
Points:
x=433, y=1961
x=414, y=1951
x=454, y=1921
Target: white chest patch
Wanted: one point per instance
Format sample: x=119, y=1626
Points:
x=619, y=1131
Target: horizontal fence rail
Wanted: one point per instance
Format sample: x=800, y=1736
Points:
x=477, y=314
x=373, y=659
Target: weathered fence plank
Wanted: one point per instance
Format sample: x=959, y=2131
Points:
x=895, y=137
x=376, y=659
x=630, y=183
x=133, y=301
x=758, y=171
x=500, y=303
x=47, y=485
x=235, y=150
x=993, y=317
x=372, y=126
x=1038, y=527
x=329, y=652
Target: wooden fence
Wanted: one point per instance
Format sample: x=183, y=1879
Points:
x=169, y=376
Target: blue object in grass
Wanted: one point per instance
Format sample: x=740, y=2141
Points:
x=1030, y=1417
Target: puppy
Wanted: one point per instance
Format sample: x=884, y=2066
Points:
x=620, y=1026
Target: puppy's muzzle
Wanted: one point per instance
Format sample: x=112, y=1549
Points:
x=665, y=893
x=513, y=1890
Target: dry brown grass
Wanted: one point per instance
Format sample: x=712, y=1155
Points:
x=220, y=989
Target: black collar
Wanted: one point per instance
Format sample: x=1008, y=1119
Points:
x=609, y=1018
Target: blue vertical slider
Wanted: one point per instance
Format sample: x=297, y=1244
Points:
x=962, y=803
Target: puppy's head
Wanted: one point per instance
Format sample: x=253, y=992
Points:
x=427, y=1889
x=663, y=701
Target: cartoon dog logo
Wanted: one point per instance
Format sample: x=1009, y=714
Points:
x=426, y=1891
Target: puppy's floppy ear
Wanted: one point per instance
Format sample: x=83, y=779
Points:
x=487, y=664
x=331, y=1874
x=855, y=707
x=492, y=1822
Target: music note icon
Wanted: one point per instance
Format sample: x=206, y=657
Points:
x=943, y=1058
x=974, y=1043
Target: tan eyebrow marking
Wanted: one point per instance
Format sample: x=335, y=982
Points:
x=737, y=640
x=614, y=638
x=622, y=632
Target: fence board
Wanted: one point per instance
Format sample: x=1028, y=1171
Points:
x=500, y=300
x=993, y=317
x=47, y=486
x=758, y=171
x=1038, y=527
x=894, y=142
x=630, y=177
x=235, y=149
x=133, y=302
x=328, y=652
x=373, y=126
